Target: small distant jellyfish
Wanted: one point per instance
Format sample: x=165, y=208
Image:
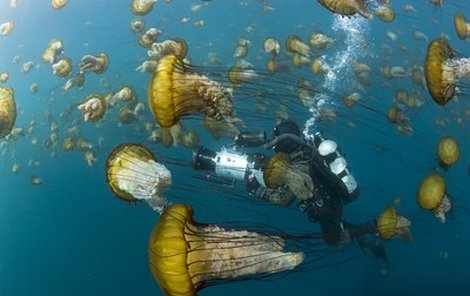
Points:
x=90, y=157
x=53, y=49
x=7, y=111
x=391, y=224
x=83, y=145
x=142, y=7
x=93, y=108
x=189, y=139
x=199, y=23
x=33, y=88
x=35, y=180
x=68, y=144
x=137, y=25
x=97, y=63
x=58, y=4
x=385, y=13
x=4, y=76
x=391, y=72
x=149, y=37
x=318, y=67
x=16, y=168
x=26, y=67
x=147, y=66
x=126, y=115
x=6, y=28
x=448, y=152
x=432, y=196
x=462, y=28
x=271, y=46
x=220, y=128
x=62, y=67
x=280, y=171
x=76, y=81
x=320, y=41
x=133, y=174
x=295, y=45
x=352, y=99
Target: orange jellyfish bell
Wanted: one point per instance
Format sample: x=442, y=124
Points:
x=347, y=7
x=58, y=4
x=432, y=196
x=462, y=28
x=7, y=111
x=448, y=152
x=390, y=224
x=279, y=172
x=142, y=7
x=175, y=90
x=186, y=256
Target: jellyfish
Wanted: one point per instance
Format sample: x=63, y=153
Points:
x=6, y=28
x=97, y=63
x=448, y=151
x=295, y=45
x=147, y=66
x=133, y=174
x=241, y=50
x=54, y=47
x=26, y=67
x=82, y=145
x=186, y=256
x=7, y=111
x=432, y=196
x=396, y=116
x=126, y=95
x=62, y=67
x=352, y=99
x=279, y=172
x=319, y=67
x=4, y=76
x=142, y=7
x=149, y=37
x=35, y=180
x=89, y=156
x=137, y=25
x=347, y=7
x=33, y=88
x=391, y=72
x=220, y=128
x=271, y=46
x=68, y=144
x=58, y=4
x=385, y=13
x=16, y=168
x=76, y=81
x=93, y=108
x=391, y=224
x=461, y=26
x=176, y=90
x=320, y=41
x=177, y=47
x=126, y=115
x=443, y=70
x=240, y=73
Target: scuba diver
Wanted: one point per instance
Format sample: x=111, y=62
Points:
x=332, y=186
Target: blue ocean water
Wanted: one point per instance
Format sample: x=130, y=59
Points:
x=70, y=235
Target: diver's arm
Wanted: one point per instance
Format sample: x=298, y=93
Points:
x=281, y=196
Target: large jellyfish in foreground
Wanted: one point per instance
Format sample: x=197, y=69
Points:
x=280, y=171
x=176, y=90
x=7, y=111
x=347, y=7
x=133, y=174
x=186, y=256
x=443, y=70
x=432, y=196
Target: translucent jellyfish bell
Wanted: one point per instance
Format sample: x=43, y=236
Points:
x=391, y=224
x=58, y=4
x=97, y=63
x=448, y=151
x=177, y=47
x=271, y=45
x=279, y=172
x=7, y=111
x=186, y=256
x=320, y=41
x=462, y=28
x=93, y=107
x=432, y=196
x=62, y=67
x=142, y=7
x=133, y=174
x=295, y=45
x=6, y=28
x=175, y=90
x=385, y=13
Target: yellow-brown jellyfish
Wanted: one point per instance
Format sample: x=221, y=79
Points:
x=352, y=99
x=186, y=256
x=461, y=26
x=320, y=41
x=82, y=145
x=448, y=151
x=137, y=25
x=385, y=13
x=7, y=111
x=89, y=156
x=271, y=46
x=93, y=107
x=4, y=76
x=58, y=4
x=347, y=7
x=62, y=67
x=126, y=115
x=280, y=171
x=142, y=7
x=53, y=49
x=76, y=81
x=97, y=63
x=68, y=144
x=443, y=70
x=318, y=67
x=176, y=46
x=295, y=45
x=432, y=196
x=391, y=224
x=149, y=37
x=6, y=28
x=176, y=90
x=133, y=174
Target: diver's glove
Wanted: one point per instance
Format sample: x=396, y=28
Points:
x=250, y=139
